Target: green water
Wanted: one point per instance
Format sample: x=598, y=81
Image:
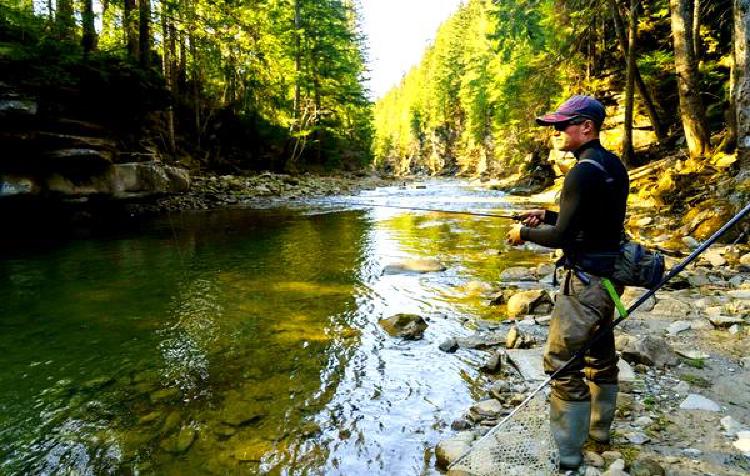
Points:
x=240, y=342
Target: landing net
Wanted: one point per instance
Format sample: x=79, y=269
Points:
x=520, y=445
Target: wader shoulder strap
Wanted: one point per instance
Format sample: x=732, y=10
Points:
x=608, y=178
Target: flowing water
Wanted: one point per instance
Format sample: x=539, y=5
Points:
x=247, y=341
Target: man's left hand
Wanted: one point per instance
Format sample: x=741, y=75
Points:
x=514, y=235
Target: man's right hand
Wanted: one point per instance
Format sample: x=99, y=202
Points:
x=533, y=218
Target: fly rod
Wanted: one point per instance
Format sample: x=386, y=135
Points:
x=515, y=216
x=605, y=330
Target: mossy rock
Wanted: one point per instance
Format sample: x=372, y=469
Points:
x=180, y=442
x=408, y=326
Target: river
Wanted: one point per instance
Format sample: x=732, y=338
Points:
x=246, y=341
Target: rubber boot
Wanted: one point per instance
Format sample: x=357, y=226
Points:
x=603, y=405
x=569, y=422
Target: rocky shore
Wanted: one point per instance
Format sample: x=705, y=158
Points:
x=684, y=402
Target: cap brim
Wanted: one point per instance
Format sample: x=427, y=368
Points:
x=552, y=119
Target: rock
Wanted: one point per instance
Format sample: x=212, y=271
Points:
x=739, y=293
x=591, y=471
x=12, y=185
x=681, y=388
x=724, y=322
x=637, y=438
x=667, y=306
x=617, y=464
x=529, y=302
x=414, y=266
x=643, y=420
x=461, y=424
x=745, y=260
x=690, y=242
x=648, y=350
x=699, y=402
x=450, y=345
x=486, y=409
x=517, y=273
x=481, y=341
x=171, y=423
x=632, y=294
x=743, y=445
x=447, y=451
x=494, y=363
x=165, y=395
x=407, y=326
x=529, y=363
x=692, y=354
x=97, y=383
x=593, y=459
x=692, y=452
x=144, y=178
x=735, y=329
x=180, y=442
x=730, y=425
x=678, y=326
x=611, y=456
x=646, y=467
x=241, y=413
x=714, y=257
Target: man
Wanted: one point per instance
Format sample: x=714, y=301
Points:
x=588, y=225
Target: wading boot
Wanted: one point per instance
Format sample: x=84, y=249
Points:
x=603, y=405
x=569, y=422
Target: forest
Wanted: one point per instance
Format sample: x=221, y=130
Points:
x=222, y=85
x=675, y=69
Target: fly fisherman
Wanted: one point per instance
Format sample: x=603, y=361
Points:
x=590, y=222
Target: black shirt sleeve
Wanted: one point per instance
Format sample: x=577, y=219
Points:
x=566, y=225
x=550, y=217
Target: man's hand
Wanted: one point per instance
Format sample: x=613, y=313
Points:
x=514, y=235
x=533, y=218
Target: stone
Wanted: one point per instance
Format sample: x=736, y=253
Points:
x=406, y=326
x=611, y=456
x=745, y=260
x=692, y=452
x=682, y=388
x=591, y=471
x=165, y=395
x=723, y=322
x=699, y=402
x=690, y=242
x=517, y=273
x=419, y=266
x=678, y=326
x=648, y=350
x=450, y=345
x=730, y=425
x=512, y=337
x=739, y=293
x=486, y=409
x=743, y=445
x=461, y=424
x=735, y=329
x=494, y=363
x=667, y=306
x=529, y=363
x=13, y=185
x=481, y=341
x=535, y=301
x=593, y=459
x=448, y=450
x=242, y=413
x=626, y=376
x=180, y=442
x=643, y=420
x=692, y=354
x=144, y=178
x=637, y=438
x=646, y=467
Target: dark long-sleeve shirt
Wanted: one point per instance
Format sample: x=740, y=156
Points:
x=592, y=211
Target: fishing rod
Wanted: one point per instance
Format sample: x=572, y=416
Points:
x=607, y=329
x=514, y=216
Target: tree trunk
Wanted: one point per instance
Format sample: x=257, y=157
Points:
x=168, y=66
x=692, y=112
x=144, y=32
x=130, y=23
x=627, y=143
x=88, y=41
x=297, y=57
x=64, y=21
x=697, y=29
x=741, y=79
x=640, y=84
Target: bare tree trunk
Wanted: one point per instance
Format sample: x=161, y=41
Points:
x=64, y=21
x=144, y=32
x=168, y=66
x=196, y=88
x=640, y=84
x=297, y=57
x=697, y=29
x=130, y=22
x=627, y=143
x=741, y=79
x=692, y=112
x=88, y=41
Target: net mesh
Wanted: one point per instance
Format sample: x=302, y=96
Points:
x=521, y=445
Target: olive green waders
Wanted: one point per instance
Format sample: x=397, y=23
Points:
x=581, y=308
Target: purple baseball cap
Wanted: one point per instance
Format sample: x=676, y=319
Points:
x=576, y=106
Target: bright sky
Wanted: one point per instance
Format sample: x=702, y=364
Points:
x=398, y=32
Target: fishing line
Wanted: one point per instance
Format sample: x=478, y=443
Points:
x=514, y=216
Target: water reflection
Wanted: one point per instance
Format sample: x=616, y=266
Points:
x=246, y=341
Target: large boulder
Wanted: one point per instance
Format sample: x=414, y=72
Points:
x=407, y=326
x=148, y=178
x=518, y=273
x=646, y=350
x=535, y=301
x=449, y=450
